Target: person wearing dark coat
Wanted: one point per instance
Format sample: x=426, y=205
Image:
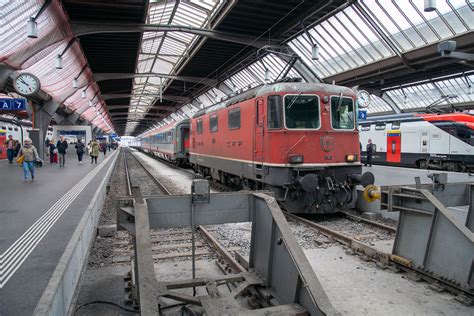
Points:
x=370, y=151
x=62, y=146
x=53, y=152
x=80, y=150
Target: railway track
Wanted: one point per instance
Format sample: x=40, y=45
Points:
x=167, y=244
x=384, y=259
x=137, y=177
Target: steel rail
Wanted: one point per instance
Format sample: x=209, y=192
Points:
x=386, y=259
x=369, y=222
x=127, y=174
x=217, y=246
x=347, y=241
x=155, y=179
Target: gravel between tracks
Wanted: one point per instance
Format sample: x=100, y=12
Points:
x=138, y=176
x=102, y=250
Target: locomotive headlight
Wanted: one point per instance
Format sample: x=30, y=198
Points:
x=351, y=158
x=296, y=159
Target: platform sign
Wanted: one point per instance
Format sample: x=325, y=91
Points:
x=362, y=115
x=13, y=104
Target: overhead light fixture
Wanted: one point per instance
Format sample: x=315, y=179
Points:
x=83, y=94
x=315, y=52
x=430, y=5
x=90, y=103
x=267, y=74
x=59, y=62
x=32, y=28
x=74, y=83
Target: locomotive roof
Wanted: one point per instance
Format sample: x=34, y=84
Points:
x=295, y=87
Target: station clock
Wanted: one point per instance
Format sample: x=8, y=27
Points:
x=26, y=84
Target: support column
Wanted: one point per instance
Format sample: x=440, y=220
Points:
x=43, y=115
x=72, y=118
x=225, y=88
x=302, y=68
x=390, y=102
x=5, y=73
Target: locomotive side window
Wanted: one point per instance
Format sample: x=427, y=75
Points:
x=342, y=113
x=213, y=123
x=199, y=126
x=274, y=111
x=302, y=112
x=396, y=125
x=234, y=118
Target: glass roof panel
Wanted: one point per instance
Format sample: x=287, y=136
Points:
x=454, y=90
x=378, y=105
x=167, y=50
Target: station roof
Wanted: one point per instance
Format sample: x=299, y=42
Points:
x=196, y=52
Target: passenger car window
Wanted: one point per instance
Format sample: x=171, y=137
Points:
x=234, y=118
x=199, y=126
x=396, y=125
x=365, y=127
x=274, y=111
x=342, y=113
x=213, y=123
x=380, y=127
x=301, y=112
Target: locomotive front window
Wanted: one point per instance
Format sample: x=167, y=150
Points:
x=301, y=112
x=342, y=113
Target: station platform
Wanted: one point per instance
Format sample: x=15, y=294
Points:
x=399, y=176
x=37, y=221
x=387, y=175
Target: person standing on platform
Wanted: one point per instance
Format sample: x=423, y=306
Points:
x=30, y=155
x=11, y=144
x=53, y=152
x=103, y=148
x=46, y=146
x=80, y=150
x=62, y=146
x=370, y=150
x=94, y=151
x=17, y=148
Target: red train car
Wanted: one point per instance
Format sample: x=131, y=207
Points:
x=298, y=139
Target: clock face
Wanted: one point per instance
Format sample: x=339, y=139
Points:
x=363, y=99
x=27, y=84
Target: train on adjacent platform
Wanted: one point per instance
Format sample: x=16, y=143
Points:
x=425, y=141
x=299, y=140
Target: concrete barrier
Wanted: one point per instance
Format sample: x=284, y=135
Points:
x=58, y=295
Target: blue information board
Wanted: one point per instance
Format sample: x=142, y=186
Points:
x=12, y=104
x=362, y=115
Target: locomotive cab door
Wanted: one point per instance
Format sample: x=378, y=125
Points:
x=258, y=136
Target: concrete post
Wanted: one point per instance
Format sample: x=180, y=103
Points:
x=303, y=69
x=5, y=73
x=390, y=102
x=43, y=115
x=72, y=118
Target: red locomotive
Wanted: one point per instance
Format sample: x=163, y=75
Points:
x=299, y=140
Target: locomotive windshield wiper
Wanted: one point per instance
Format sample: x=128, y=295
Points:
x=294, y=99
